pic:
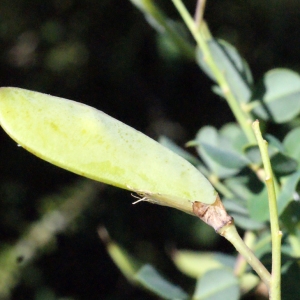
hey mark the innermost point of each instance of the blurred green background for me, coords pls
(103, 53)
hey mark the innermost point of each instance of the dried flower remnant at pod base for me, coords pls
(214, 215)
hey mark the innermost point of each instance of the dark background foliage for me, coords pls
(104, 53)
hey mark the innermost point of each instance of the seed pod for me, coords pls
(90, 143)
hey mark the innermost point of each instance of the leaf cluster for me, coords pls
(232, 162)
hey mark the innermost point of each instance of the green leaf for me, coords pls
(283, 165)
(209, 135)
(233, 133)
(244, 188)
(227, 159)
(196, 263)
(173, 36)
(231, 64)
(291, 218)
(259, 206)
(248, 281)
(274, 143)
(240, 186)
(235, 205)
(217, 284)
(221, 151)
(263, 246)
(277, 96)
(245, 222)
(241, 216)
(253, 154)
(288, 191)
(126, 263)
(90, 143)
(290, 281)
(292, 144)
(153, 281)
(173, 41)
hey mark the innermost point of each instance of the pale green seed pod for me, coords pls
(90, 143)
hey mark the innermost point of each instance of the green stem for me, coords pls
(243, 117)
(230, 233)
(241, 263)
(276, 234)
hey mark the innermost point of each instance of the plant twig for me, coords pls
(199, 12)
(216, 216)
(230, 233)
(275, 231)
(241, 263)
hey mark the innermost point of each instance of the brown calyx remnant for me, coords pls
(215, 215)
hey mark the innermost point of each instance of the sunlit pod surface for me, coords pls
(90, 143)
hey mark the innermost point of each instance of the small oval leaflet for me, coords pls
(88, 142)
